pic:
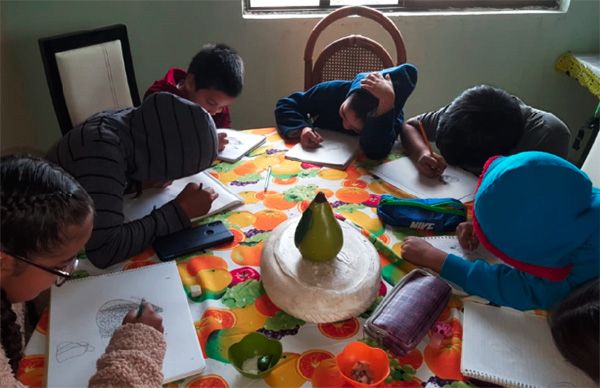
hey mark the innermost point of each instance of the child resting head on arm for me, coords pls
(46, 218)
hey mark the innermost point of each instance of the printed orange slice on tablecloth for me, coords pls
(246, 168)
(269, 219)
(249, 197)
(224, 317)
(208, 381)
(332, 174)
(31, 370)
(310, 360)
(340, 330)
(199, 263)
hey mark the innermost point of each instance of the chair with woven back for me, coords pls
(352, 54)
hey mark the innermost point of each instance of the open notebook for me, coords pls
(240, 143)
(454, 183)
(337, 150)
(85, 312)
(135, 208)
(514, 348)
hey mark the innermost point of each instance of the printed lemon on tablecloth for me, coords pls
(354, 214)
(332, 174)
(248, 253)
(443, 357)
(285, 374)
(242, 218)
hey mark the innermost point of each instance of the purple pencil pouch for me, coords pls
(407, 313)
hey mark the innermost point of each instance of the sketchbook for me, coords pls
(337, 150)
(514, 348)
(402, 173)
(135, 208)
(84, 314)
(240, 143)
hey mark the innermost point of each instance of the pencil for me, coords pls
(267, 180)
(140, 308)
(377, 243)
(424, 135)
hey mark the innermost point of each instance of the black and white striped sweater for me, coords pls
(165, 138)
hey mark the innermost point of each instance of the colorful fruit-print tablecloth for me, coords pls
(233, 302)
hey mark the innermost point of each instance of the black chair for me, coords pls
(88, 72)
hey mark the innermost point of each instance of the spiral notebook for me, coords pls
(514, 348)
(84, 313)
(136, 208)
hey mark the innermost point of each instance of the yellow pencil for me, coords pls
(424, 135)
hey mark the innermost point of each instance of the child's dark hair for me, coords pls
(37, 201)
(363, 103)
(482, 122)
(575, 326)
(218, 67)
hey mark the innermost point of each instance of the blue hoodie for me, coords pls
(322, 102)
(542, 213)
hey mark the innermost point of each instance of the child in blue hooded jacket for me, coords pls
(370, 106)
(540, 215)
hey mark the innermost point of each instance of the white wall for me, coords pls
(513, 51)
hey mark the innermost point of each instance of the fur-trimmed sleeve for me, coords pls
(133, 358)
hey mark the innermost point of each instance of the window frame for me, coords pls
(413, 6)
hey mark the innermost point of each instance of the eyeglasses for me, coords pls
(64, 273)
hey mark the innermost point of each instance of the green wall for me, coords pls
(515, 51)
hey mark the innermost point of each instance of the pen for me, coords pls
(140, 308)
(267, 179)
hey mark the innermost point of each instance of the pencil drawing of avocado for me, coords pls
(110, 315)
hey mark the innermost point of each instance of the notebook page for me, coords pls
(336, 150)
(402, 173)
(135, 208)
(510, 347)
(84, 313)
(240, 143)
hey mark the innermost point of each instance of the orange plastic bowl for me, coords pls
(375, 358)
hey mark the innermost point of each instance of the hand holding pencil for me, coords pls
(428, 162)
(309, 138)
(145, 314)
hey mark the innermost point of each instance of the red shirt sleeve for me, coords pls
(223, 119)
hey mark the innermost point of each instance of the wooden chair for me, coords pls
(88, 72)
(352, 54)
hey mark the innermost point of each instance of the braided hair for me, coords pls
(37, 201)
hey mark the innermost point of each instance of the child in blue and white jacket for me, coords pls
(540, 215)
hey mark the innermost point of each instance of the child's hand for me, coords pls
(421, 253)
(149, 317)
(223, 141)
(431, 165)
(195, 201)
(309, 138)
(466, 236)
(382, 88)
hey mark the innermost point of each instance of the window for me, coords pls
(320, 6)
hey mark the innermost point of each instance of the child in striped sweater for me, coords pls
(116, 152)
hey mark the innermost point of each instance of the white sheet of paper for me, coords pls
(337, 150)
(514, 348)
(135, 208)
(240, 143)
(450, 244)
(402, 173)
(84, 313)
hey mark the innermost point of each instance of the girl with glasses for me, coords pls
(46, 218)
